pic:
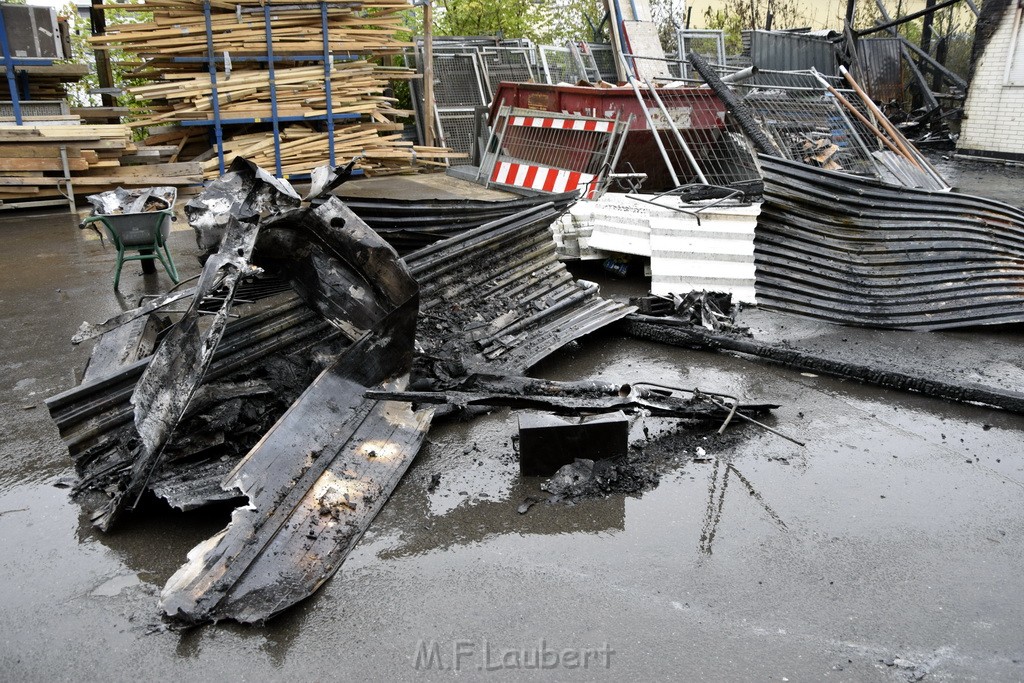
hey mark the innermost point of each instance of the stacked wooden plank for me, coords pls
(179, 28)
(356, 88)
(45, 82)
(378, 154)
(31, 165)
(173, 47)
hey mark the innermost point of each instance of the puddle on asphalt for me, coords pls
(870, 454)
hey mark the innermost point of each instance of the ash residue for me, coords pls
(589, 479)
(643, 468)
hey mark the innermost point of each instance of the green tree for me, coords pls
(123, 64)
(542, 21)
(575, 20)
(670, 18)
(509, 18)
(737, 16)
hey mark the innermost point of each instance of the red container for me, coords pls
(698, 113)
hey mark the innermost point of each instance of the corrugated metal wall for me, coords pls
(881, 68)
(779, 51)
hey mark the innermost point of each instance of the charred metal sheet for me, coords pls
(317, 477)
(684, 334)
(413, 224)
(855, 251)
(123, 346)
(321, 474)
(245, 189)
(498, 299)
(196, 486)
(91, 415)
(179, 364)
(89, 331)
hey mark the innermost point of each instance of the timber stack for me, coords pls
(223, 77)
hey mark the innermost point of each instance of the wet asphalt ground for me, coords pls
(889, 548)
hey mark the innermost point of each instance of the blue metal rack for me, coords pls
(19, 92)
(218, 123)
(10, 64)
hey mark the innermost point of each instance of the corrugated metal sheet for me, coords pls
(90, 417)
(622, 225)
(855, 251)
(881, 68)
(413, 224)
(778, 51)
(498, 299)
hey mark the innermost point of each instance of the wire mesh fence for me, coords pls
(805, 122)
(511, 64)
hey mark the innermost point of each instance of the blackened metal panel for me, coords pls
(497, 299)
(409, 225)
(323, 471)
(781, 51)
(881, 68)
(855, 251)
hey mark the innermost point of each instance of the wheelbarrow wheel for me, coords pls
(148, 265)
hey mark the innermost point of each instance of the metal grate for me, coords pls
(604, 58)
(457, 81)
(805, 122)
(565, 143)
(510, 64)
(560, 65)
(808, 124)
(720, 152)
(707, 43)
(586, 61)
(457, 130)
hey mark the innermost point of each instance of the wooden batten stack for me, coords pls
(267, 99)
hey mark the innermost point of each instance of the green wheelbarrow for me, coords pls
(145, 233)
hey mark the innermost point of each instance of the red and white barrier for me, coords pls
(544, 178)
(594, 125)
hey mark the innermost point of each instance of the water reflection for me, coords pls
(717, 488)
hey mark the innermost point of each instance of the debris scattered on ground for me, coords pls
(586, 478)
(285, 380)
(713, 311)
(682, 333)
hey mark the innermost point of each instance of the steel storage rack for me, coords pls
(17, 85)
(271, 60)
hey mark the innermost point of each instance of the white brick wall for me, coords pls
(994, 112)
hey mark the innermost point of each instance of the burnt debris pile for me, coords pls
(301, 372)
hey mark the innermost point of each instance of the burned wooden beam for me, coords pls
(574, 401)
(890, 23)
(677, 333)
